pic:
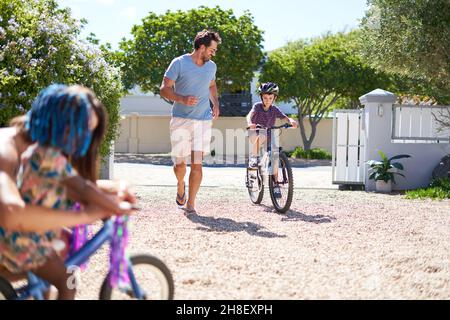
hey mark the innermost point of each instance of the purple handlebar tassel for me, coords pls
(118, 259)
(80, 235)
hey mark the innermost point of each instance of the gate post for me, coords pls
(107, 165)
(133, 140)
(377, 126)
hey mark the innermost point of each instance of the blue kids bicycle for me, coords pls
(149, 277)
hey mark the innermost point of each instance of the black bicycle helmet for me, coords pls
(268, 88)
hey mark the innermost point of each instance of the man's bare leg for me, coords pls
(179, 169)
(195, 177)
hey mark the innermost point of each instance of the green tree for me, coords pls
(411, 38)
(317, 75)
(40, 45)
(161, 38)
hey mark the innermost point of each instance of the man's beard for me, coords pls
(205, 59)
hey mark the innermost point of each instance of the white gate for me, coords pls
(418, 124)
(348, 147)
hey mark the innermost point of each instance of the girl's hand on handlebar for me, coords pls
(124, 193)
(127, 206)
(97, 211)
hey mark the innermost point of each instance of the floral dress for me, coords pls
(40, 179)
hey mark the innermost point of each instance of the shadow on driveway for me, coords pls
(229, 225)
(292, 215)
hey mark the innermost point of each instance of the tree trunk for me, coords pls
(307, 141)
(313, 134)
(307, 145)
(314, 109)
(302, 129)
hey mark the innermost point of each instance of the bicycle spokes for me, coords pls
(281, 185)
(255, 186)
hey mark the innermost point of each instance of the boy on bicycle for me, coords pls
(264, 113)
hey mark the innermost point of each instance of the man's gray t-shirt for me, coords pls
(192, 80)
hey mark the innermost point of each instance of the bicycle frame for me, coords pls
(269, 146)
(36, 286)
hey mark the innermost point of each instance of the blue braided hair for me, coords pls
(60, 118)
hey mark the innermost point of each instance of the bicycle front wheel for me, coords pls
(152, 276)
(285, 181)
(255, 185)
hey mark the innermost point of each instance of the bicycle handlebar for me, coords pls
(285, 126)
(124, 205)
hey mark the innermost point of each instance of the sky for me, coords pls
(281, 20)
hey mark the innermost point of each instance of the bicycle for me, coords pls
(264, 173)
(36, 287)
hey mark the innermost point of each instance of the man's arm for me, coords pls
(167, 91)
(214, 98)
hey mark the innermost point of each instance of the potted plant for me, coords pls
(383, 171)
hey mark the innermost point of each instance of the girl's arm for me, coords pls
(117, 188)
(88, 193)
(17, 216)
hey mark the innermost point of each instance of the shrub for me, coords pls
(316, 153)
(40, 45)
(438, 189)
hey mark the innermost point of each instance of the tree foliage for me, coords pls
(317, 75)
(161, 38)
(411, 37)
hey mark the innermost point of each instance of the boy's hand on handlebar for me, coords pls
(251, 126)
(293, 123)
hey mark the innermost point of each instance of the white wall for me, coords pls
(150, 134)
(378, 126)
(144, 105)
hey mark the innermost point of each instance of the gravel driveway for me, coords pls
(331, 245)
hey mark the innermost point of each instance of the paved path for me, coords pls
(331, 245)
(221, 177)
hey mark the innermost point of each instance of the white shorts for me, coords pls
(188, 135)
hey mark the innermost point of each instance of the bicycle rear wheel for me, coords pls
(152, 276)
(286, 184)
(7, 291)
(256, 192)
